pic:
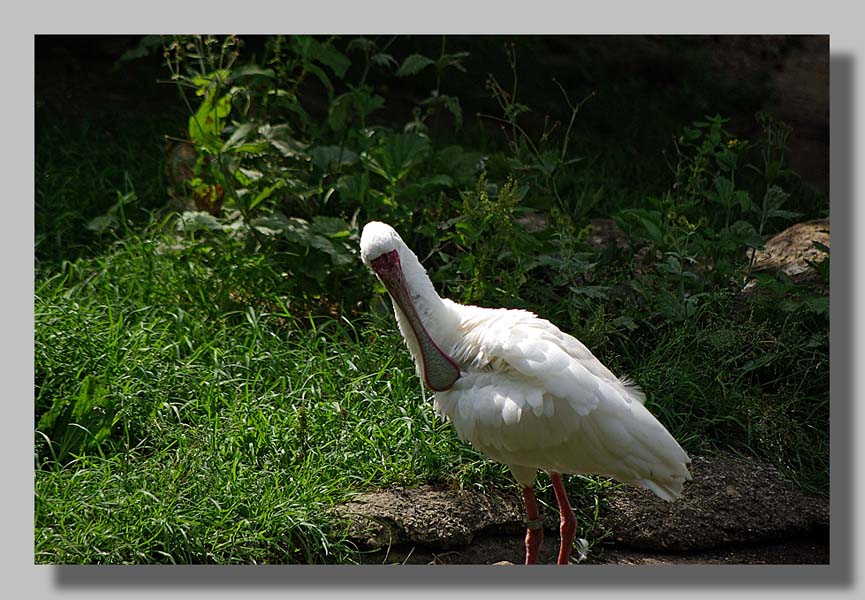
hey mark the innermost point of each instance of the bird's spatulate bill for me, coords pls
(440, 372)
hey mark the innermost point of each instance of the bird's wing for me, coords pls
(543, 400)
(565, 367)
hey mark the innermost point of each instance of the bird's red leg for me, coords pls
(569, 521)
(534, 530)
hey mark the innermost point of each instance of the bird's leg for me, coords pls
(534, 530)
(569, 521)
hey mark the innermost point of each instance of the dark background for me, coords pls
(642, 83)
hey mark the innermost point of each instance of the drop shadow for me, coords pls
(838, 574)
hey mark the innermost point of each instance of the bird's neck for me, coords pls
(435, 315)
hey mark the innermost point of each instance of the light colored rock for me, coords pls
(792, 249)
(793, 252)
(434, 516)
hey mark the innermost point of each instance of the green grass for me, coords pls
(232, 427)
(231, 433)
(84, 166)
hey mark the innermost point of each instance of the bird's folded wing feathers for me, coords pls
(558, 362)
(543, 392)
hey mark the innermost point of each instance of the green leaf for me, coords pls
(818, 305)
(775, 198)
(413, 64)
(320, 74)
(335, 60)
(339, 255)
(311, 50)
(238, 137)
(147, 45)
(207, 80)
(338, 112)
(330, 226)
(452, 60)
(652, 230)
(361, 43)
(439, 180)
(333, 157)
(83, 422)
(205, 126)
(783, 214)
(594, 292)
(759, 362)
(512, 111)
(266, 193)
(364, 101)
(744, 233)
(196, 220)
(452, 103)
(271, 224)
(383, 60)
(280, 137)
(104, 222)
(723, 190)
(252, 71)
(625, 322)
(293, 105)
(111, 218)
(641, 222)
(462, 166)
(397, 154)
(353, 187)
(305, 46)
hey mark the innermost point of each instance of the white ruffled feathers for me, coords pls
(533, 397)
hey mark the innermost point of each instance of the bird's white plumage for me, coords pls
(533, 397)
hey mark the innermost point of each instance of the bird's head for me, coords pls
(378, 240)
(381, 249)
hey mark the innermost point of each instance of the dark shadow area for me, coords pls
(639, 91)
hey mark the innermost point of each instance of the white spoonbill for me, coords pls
(523, 392)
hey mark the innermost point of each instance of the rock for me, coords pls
(791, 251)
(533, 222)
(735, 510)
(730, 501)
(434, 516)
(605, 232)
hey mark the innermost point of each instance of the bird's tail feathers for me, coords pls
(670, 488)
(633, 388)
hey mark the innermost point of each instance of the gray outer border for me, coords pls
(541, 16)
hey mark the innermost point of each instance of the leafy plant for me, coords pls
(436, 102)
(487, 256)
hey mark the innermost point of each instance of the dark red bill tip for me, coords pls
(387, 263)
